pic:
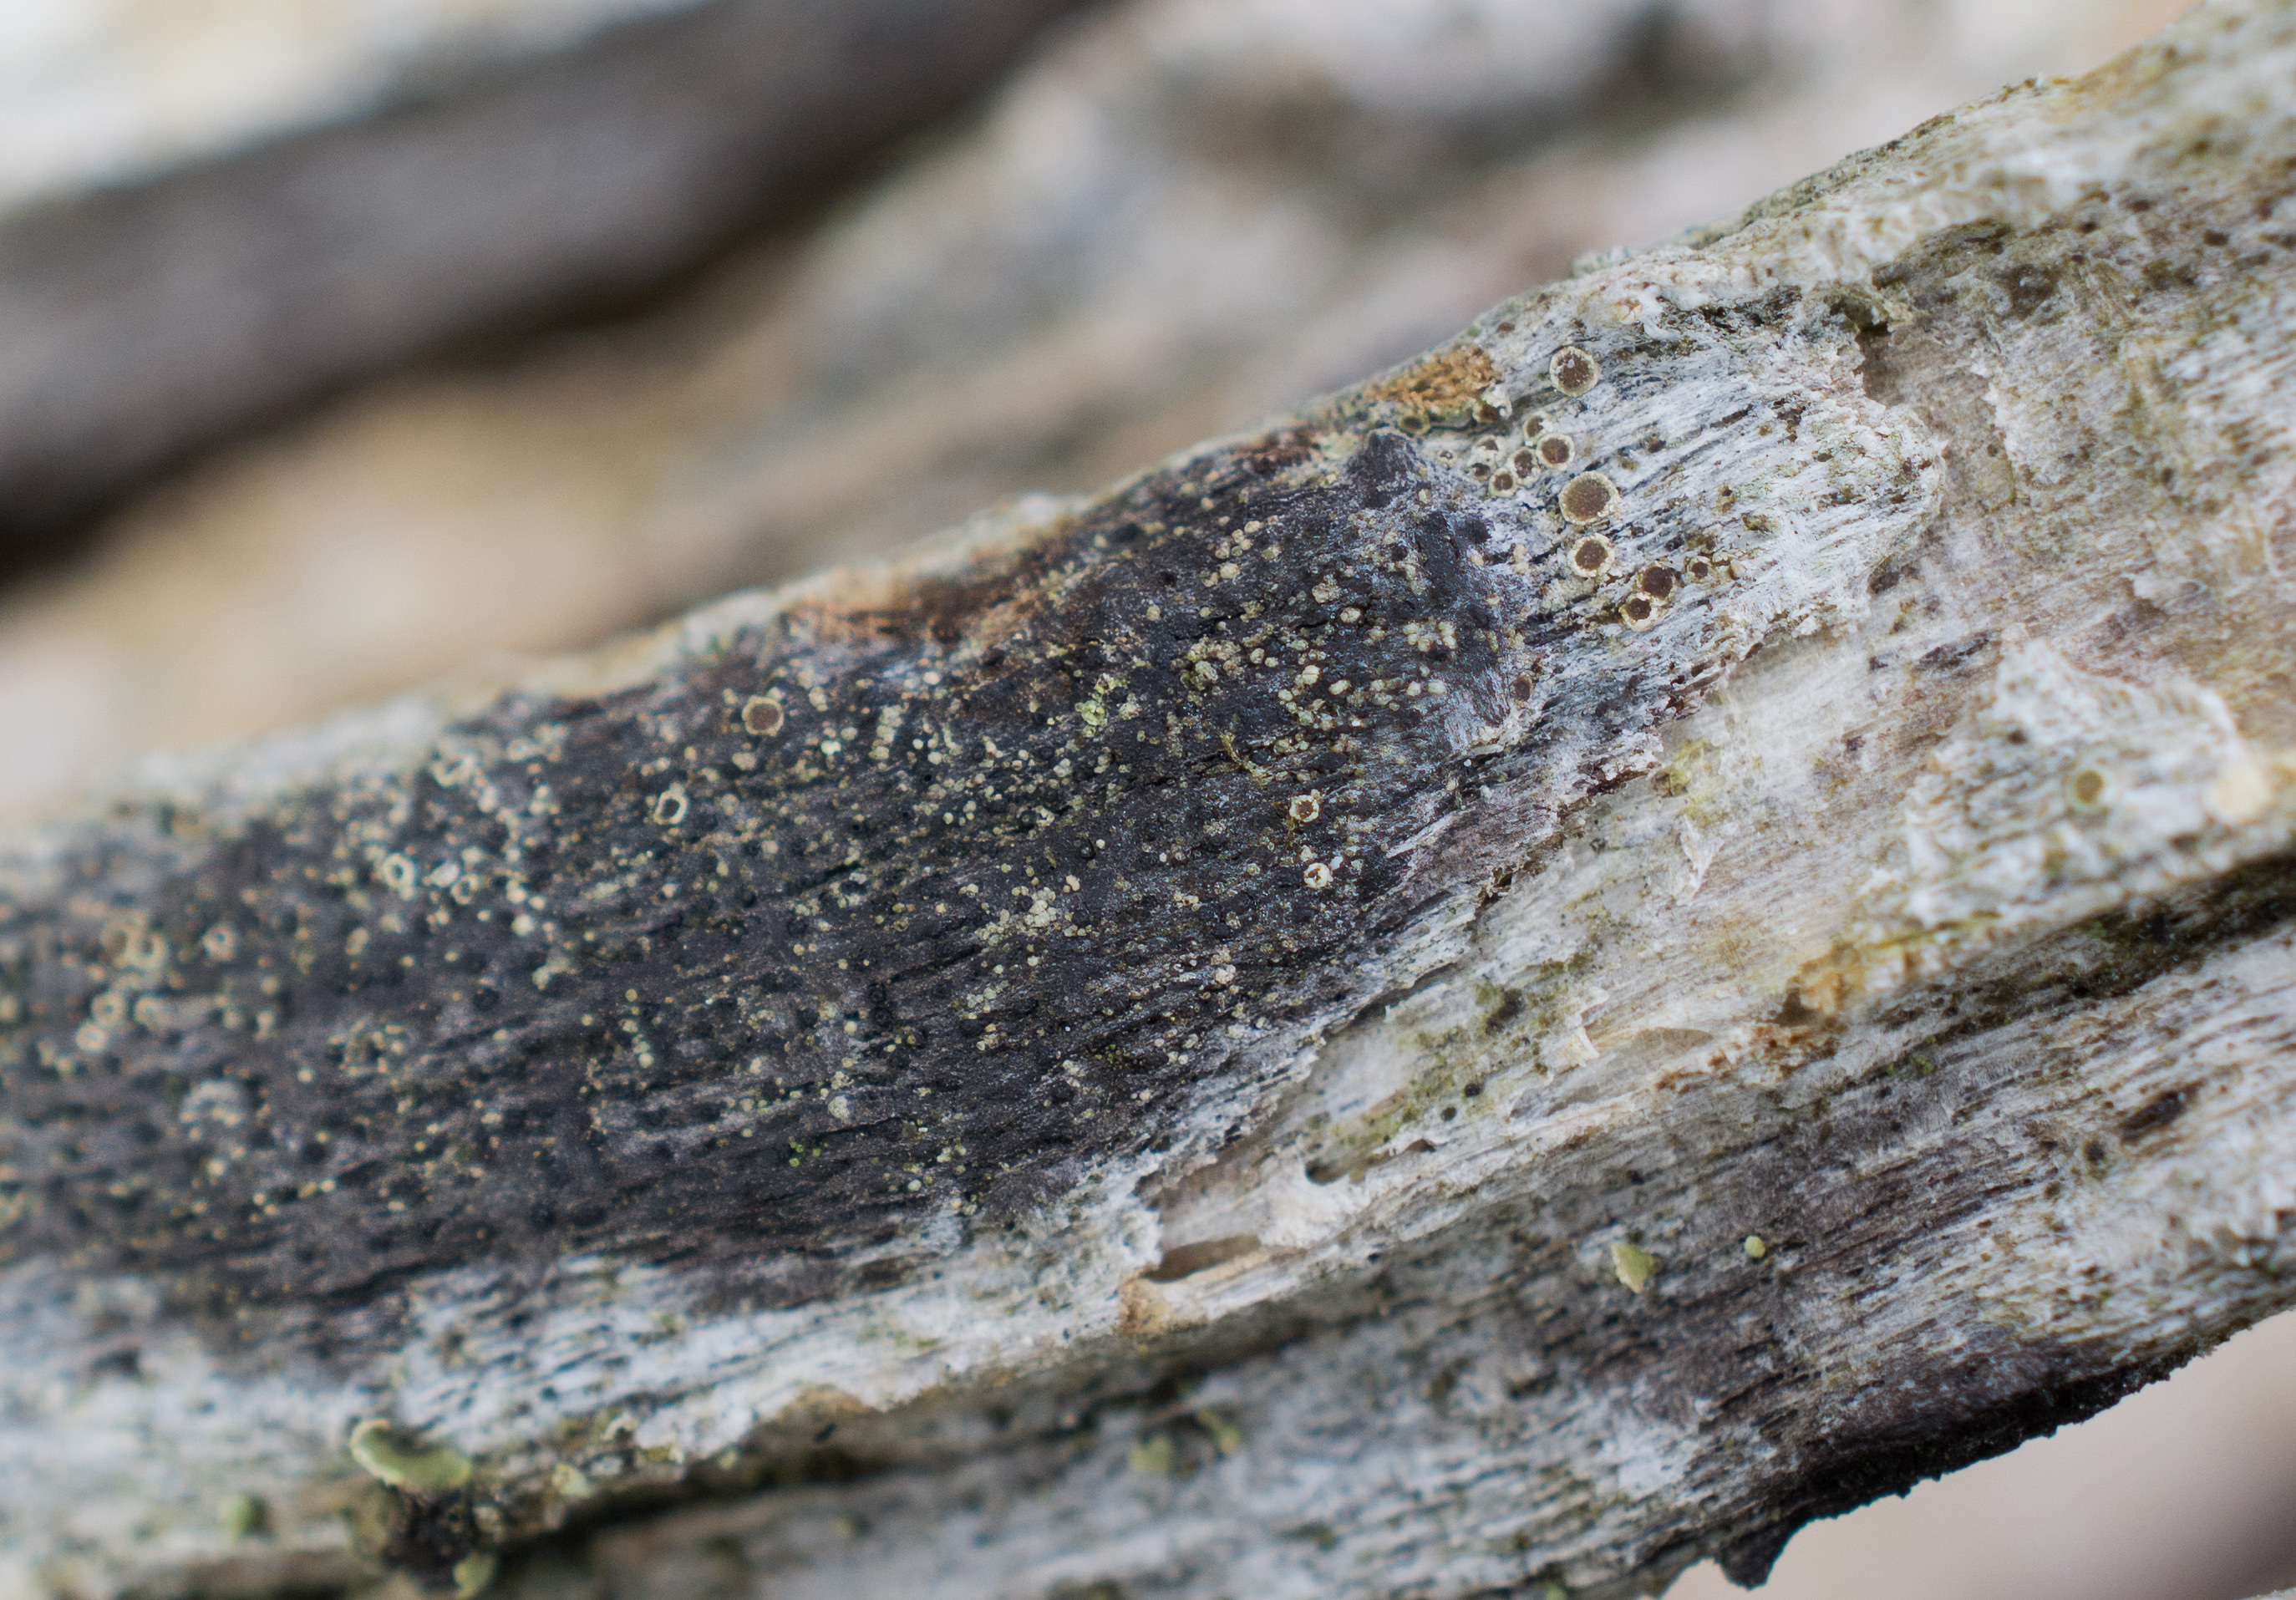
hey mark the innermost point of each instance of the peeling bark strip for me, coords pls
(1323, 1016)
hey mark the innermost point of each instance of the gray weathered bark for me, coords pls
(1654, 925)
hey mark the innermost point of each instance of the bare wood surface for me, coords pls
(1361, 1013)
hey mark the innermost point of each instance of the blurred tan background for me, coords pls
(2185, 1492)
(347, 346)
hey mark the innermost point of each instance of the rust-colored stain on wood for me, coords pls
(1446, 380)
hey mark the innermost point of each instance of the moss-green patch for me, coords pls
(1689, 775)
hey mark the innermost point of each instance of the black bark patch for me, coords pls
(622, 975)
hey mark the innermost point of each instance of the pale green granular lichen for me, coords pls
(473, 1573)
(241, 1515)
(1756, 1247)
(1226, 1438)
(1152, 1456)
(392, 1458)
(1635, 1266)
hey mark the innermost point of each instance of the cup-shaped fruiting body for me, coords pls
(761, 716)
(1588, 497)
(1591, 556)
(2089, 789)
(1574, 370)
(1654, 586)
(1547, 453)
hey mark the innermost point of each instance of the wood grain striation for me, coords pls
(1643, 929)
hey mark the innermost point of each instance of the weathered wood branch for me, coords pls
(1657, 924)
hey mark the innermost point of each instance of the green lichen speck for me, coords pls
(473, 1573)
(392, 1457)
(1635, 1266)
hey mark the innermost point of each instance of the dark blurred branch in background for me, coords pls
(142, 321)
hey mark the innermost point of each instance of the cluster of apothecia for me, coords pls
(1533, 462)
